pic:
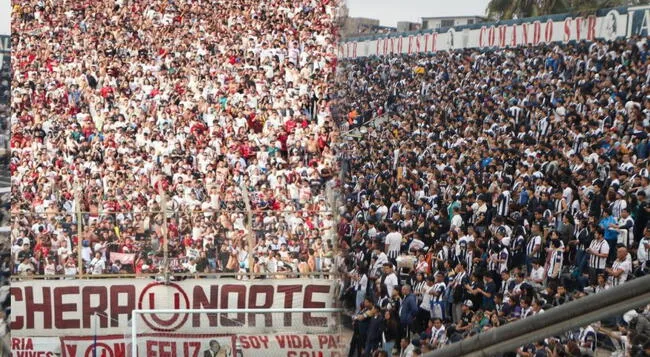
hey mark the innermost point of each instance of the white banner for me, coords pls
(149, 345)
(292, 345)
(73, 307)
(35, 346)
(195, 345)
(494, 35)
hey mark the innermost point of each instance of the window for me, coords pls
(470, 21)
(447, 23)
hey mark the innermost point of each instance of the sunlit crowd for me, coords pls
(140, 125)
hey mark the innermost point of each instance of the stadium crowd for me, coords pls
(156, 119)
(5, 202)
(487, 186)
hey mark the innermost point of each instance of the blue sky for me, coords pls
(389, 12)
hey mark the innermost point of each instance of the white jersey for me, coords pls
(600, 247)
(644, 250)
(624, 265)
(426, 297)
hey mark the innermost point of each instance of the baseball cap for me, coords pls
(469, 303)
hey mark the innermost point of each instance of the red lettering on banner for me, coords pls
(481, 33)
(579, 21)
(305, 354)
(434, 39)
(203, 302)
(567, 29)
(591, 28)
(18, 322)
(426, 42)
(537, 32)
(417, 43)
(548, 31)
(254, 342)
(288, 291)
(22, 344)
(502, 35)
(525, 33)
(513, 38)
(161, 349)
(240, 290)
(491, 36)
(100, 349)
(385, 46)
(256, 290)
(294, 342)
(410, 46)
(328, 341)
(101, 307)
(309, 303)
(32, 354)
(50, 309)
(59, 321)
(71, 350)
(377, 46)
(400, 45)
(120, 349)
(354, 50)
(191, 348)
(116, 308)
(45, 307)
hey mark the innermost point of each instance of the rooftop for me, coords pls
(452, 17)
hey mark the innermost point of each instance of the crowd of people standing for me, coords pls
(159, 121)
(487, 186)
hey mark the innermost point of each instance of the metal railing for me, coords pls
(556, 321)
(143, 226)
(216, 275)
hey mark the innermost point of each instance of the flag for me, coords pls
(124, 258)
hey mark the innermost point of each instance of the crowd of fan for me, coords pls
(156, 119)
(5, 202)
(497, 185)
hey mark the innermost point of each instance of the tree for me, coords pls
(509, 9)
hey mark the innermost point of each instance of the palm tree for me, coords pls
(508, 9)
(584, 6)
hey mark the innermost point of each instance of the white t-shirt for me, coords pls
(390, 282)
(97, 266)
(457, 221)
(537, 274)
(643, 252)
(426, 297)
(70, 270)
(394, 241)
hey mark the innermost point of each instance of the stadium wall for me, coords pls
(606, 24)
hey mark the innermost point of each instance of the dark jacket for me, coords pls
(375, 330)
(409, 309)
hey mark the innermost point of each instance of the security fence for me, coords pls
(241, 238)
